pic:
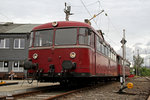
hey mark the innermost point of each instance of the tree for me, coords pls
(138, 61)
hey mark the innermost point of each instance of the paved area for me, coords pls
(22, 86)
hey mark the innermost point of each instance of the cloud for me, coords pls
(138, 47)
(121, 15)
(137, 44)
(129, 53)
(148, 44)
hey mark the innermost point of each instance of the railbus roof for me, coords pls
(62, 24)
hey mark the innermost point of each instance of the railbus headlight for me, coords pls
(35, 56)
(72, 55)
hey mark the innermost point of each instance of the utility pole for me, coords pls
(123, 42)
(145, 58)
(137, 65)
(67, 11)
(149, 62)
(122, 79)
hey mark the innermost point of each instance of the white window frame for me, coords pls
(18, 68)
(2, 68)
(19, 44)
(4, 45)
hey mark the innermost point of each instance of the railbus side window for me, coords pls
(103, 49)
(108, 52)
(111, 55)
(115, 57)
(84, 37)
(98, 44)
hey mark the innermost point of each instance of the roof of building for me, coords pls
(10, 27)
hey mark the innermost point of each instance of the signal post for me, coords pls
(122, 78)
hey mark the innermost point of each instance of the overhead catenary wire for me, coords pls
(114, 26)
(90, 4)
(109, 20)
(96, 22)
(89, 13)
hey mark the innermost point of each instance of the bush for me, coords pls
(144, 71)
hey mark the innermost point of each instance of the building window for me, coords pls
(19, 43)
(17, 66)
(4, 66)
(4, 43)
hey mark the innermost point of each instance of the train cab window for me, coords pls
(92, 39)
(66, 36)
(43, 38)
(31, 39)
(84, 36)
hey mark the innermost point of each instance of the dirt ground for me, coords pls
(140, 91)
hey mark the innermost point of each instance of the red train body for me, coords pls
(72, 51)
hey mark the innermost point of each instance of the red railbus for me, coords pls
(70, 51)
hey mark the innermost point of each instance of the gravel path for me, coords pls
(140, 91)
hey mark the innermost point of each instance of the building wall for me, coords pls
(12, 55)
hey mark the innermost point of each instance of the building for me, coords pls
(14, 41)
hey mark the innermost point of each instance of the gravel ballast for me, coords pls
(140, 91)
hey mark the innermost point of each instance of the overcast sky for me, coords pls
(131, 15)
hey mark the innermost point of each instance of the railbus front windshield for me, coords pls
(66, 36)
(63, 36)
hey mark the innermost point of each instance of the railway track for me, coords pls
(50, 93)
(13, 95)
